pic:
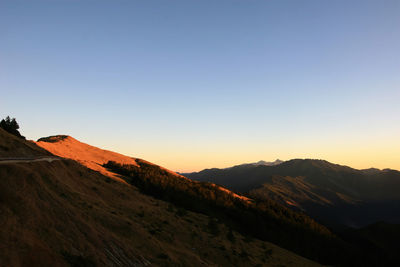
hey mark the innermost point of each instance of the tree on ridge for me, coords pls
(11, 126)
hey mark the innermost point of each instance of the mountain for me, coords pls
(91, 207)
(87, 155)
(272, 163)
(62, 213)
(331, 193)
(239, 211)
(262, 162)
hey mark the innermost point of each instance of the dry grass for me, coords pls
(12, 146)
(62, 213)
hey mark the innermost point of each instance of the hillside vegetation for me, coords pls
(11, 126)
(331, 193)
(266, 220)
(64, 214)
(13, 146)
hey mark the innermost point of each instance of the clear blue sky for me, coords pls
(195, 84)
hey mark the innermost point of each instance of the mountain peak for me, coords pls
(266, 163)
(92, 157)
(258, 163)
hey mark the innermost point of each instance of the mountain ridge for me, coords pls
(260, 163)
(62, 213)
(312, 186)
(94, 158)
(88, 218)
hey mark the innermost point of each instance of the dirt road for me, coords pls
(24, 160)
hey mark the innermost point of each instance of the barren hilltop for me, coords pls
(63, 213)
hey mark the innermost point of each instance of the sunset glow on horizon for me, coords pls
(191, 85)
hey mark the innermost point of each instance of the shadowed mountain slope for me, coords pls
(13, 146)
(209, 199)
(64, 214)
(333, 193)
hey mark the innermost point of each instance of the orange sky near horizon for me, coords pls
(381, 153)
(208, 84)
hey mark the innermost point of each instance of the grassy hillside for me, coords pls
(266, 220)
(13, 146)
(64, 214)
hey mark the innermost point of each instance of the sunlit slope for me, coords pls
(94, 158)
(64, 214)
(89, 156)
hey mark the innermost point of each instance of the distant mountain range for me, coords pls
(93, 207)
(334, 194)
(262, 163)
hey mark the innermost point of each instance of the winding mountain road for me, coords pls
(25, 160)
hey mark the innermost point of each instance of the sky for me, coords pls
(198, 84)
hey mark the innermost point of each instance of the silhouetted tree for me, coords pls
(11, 126)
